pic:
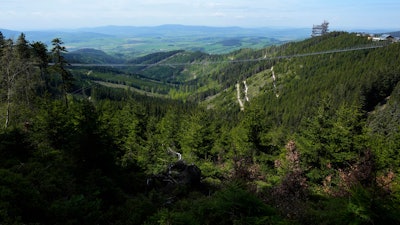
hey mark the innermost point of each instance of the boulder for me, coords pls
(178, 173)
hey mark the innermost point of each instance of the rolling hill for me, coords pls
(131, 42)
(91, 56)
(199, 76)
(304, 132)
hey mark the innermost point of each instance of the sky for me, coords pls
(26, 15)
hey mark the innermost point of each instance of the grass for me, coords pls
(126, 87)
(136, 47)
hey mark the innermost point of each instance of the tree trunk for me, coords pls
(8, 109)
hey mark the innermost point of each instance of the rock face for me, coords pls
(183, 173)
(177, 174)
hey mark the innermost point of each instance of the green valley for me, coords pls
(287, 132)
(131, 42)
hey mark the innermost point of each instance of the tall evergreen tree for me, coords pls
(41, 57)
(330, 141)
(23, 47)
(27, 82)
(2, 43)
(60, 65)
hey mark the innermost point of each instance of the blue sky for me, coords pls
(342, 14)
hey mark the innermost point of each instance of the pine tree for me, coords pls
(2, 43)
(28, 81)
(41, 57)
(23, 48)
(331, 141)
(60, 65)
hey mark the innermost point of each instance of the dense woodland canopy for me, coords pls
(75, 149)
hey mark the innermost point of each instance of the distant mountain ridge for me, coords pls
(182, 30)
(170, 30)
(132, 42)
(163, 30)
(136, 41)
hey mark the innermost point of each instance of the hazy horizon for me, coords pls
(27, 15)
(272, 28)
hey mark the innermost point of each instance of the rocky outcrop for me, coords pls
(177, 174)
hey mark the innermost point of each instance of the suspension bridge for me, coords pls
(265, 58)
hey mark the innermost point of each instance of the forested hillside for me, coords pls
(166, 141)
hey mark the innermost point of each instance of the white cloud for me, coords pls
(219, 14)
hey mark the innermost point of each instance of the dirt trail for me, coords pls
(246, 97)
(238, 97)
(246, 90)
(274, 82)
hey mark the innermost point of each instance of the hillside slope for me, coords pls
(293, 134)
(364, 77)
(285, 81)
(350, 76)
(91, 56)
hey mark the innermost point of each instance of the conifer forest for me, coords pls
(304, 132)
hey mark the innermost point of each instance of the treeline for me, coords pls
(362, 78)
(26, 75)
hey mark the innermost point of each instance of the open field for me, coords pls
(132, 42)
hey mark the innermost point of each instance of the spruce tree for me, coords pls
(60, 66)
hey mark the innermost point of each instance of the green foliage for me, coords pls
(196, 135)
(363, 206)
(17, 199)
(91, 56)
(384, 125)
(59, 66)
(77, 209)
(88, 162)
(331, 141)
(232, 205)
(19, 81)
